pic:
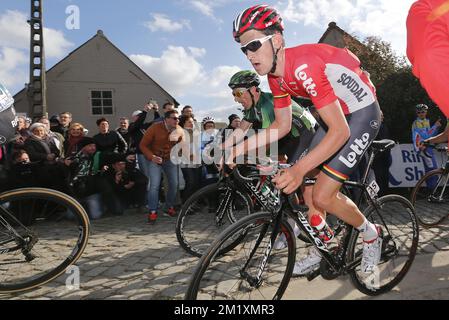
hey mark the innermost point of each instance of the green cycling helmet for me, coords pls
(244, 79)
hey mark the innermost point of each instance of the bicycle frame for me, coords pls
(336, 259)
(434, 197)
(247, 183)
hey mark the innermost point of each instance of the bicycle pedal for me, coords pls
(29, 257)
(312, 275)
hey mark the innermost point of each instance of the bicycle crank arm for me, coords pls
(312, 275)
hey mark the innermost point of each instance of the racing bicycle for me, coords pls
(252, 269)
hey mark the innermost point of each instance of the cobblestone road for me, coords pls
(128, 259)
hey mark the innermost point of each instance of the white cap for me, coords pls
(36, 125)
(136, 113)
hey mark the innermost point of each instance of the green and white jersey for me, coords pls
(262, 115)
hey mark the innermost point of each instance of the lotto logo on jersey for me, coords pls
(307, 82)
(358, 147)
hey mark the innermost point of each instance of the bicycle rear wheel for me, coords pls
(197, 227)
(42, 232)
(400, 233)
(226, 277)
(431, 198)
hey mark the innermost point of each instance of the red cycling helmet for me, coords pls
(259, 17)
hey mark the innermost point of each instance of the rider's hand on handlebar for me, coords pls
(288, 180)
(423, 145)
(231, 163)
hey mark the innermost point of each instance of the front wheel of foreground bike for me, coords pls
(42, 232)
(400, 233)
(246, 272)
(430, 197)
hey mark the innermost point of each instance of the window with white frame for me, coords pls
(101, 102)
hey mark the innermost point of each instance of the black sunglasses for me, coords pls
(255, 44)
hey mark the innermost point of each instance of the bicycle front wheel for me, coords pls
(252, 269)
(400, 234)
(42, 232)
(198, 223)
(431, 198)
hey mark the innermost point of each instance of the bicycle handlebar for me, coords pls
(271, 167)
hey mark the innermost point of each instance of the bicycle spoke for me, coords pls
(235, 274)
(431, 198)
(400, 239)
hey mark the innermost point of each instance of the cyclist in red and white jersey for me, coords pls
(346, 102)
(428, 48)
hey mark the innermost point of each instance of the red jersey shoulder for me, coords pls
(275, 84)
(281, 98)
(308, 69)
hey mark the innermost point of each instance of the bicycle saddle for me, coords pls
(382, 145)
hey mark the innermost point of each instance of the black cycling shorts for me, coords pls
(364, 125)
(296, 147)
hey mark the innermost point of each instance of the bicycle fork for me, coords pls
(222, 207)
(256, 282)
(439, 197)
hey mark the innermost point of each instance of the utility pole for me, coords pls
(37, 87)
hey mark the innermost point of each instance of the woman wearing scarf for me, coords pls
(72, 145)
(43, 151)
(58, 139)
(38, 147)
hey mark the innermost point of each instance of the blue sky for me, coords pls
(185, 45)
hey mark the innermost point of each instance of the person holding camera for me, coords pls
(166, 107)
(128, 184)
(137, 129)
(22, 173)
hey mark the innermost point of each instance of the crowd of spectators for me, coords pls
(114, 168)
